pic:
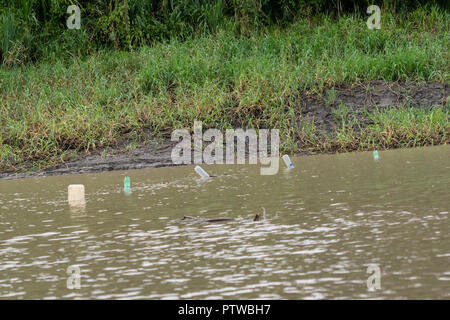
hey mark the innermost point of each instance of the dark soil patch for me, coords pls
(368, 96)
(360, 98)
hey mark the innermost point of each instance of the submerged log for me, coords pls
(196, 219)
(258, 217)
(261, 216)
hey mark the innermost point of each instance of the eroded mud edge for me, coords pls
(358, 97)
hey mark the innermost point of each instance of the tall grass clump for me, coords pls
(12, 49)
(390, 128)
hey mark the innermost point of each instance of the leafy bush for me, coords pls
(31, 29)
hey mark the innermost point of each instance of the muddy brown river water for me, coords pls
(328, 220)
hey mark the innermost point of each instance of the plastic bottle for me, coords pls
(202, 173)
(126, 184)
(375, 155)
(287, 161)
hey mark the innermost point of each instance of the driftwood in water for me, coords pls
(207, 220)
(262, 216)
(258, 217)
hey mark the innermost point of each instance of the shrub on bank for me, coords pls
(35, 29)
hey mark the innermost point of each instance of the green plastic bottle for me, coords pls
(375, 155)
(126, 184)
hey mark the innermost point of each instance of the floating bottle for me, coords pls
(375, 155)
(75, 195)
(126, 185)
(202, 173)
(287, 161)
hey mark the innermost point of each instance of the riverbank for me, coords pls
(398, 115)
(328, 85)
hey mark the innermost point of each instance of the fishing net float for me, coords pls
(75, 195)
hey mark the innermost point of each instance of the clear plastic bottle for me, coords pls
(287, 161)
(202, 173)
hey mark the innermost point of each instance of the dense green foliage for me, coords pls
(35, 29)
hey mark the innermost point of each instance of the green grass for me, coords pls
(58, 106)
(391, 128)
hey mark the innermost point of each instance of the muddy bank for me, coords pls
(368, 96)
(146, 155)
(359, 98)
